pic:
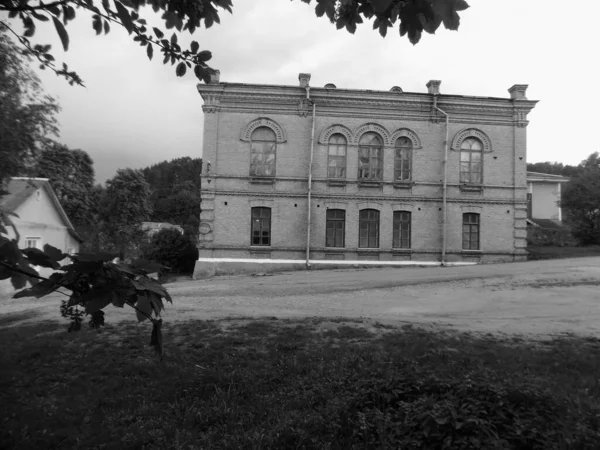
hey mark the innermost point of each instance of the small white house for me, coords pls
(41, 219)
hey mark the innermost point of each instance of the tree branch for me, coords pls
(33, 8)
(39, 277)
(150, 318)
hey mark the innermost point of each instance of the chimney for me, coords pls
(517, 92)
(215, 76)
(433, 86)
(304, 79)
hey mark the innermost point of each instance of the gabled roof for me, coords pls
(21, 188)
(546, 177)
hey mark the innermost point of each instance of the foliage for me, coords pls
(172, 249)
(93, 280)
(413, 17)
(581, 201)
(125, 204)
(71, 175)
(27, 115)
(175, 196)
(279, 384)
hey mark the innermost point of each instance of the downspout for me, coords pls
(445, 182)
(310, 164)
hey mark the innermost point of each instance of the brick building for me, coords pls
(296, 174)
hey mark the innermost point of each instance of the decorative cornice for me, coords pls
(264, 122)
(370, 198)
(472, 132)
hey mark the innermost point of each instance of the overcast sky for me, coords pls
(134, 112)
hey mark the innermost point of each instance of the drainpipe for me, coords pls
(445, 182)
(310, 164)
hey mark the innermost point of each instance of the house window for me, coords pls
(263, 144)
(370, 157)
(471, 152)
(470, 231)
(402, 159)
(33, 242)
(401, 229)
(336, 164)
(261, 226)
(368, 228)
(335, 228)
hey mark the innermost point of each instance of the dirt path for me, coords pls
(537, 297)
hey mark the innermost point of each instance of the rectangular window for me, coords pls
(262, 163)
(33, 242)
(470, 167)
(335, 228)
(336, 163)
(401, 229)
(402, 164)
(261, 226)
(370, 163)
(470, 231)
(368, 228)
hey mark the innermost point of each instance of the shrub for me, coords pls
(171, 249)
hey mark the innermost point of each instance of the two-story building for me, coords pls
(319, 175)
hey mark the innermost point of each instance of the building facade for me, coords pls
(301, 173)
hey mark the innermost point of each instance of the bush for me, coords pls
(171, 249)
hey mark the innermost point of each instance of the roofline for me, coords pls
(547, 177)
(319, 89)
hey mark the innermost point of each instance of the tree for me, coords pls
(27, 115)
(175, 194)
(124, 206)
(413, 17)
(171, 249)
(581, 201)
(554, 168)
(71, 174)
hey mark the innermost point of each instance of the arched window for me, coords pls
(470, 231)
(336, 163)
(263, 143)
(403, 159)
(370, 157)
(335, 227)
(471, 155)
(368, 228)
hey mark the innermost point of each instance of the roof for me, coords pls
(547, 223)
(21, 188)
(546, 177)
(159, 226)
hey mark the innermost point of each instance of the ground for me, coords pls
(537, 297)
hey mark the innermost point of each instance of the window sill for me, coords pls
(334, 182)
(471, 187)
(403, 184)
(471, 252)
(369, 184)
(402, 251)
(369, 250)
(258, 180)
(334, 249)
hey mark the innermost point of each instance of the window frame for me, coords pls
(262, 220)
(471, 226)
(370, 148)
(264, 143)
(470, 152)
(398, 220)
(37, 239)
(333, 223)
(370, 222)
(330, 157)
(401, 161)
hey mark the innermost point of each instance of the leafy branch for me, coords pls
(93, 279)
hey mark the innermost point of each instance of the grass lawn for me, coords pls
(279, 384)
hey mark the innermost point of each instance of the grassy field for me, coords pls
(279, 384)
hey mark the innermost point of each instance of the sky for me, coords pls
(134, 112)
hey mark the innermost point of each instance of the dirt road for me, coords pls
(536, 297)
